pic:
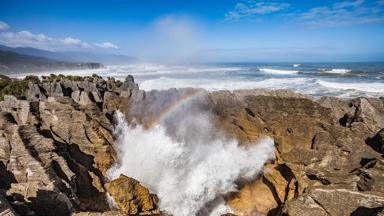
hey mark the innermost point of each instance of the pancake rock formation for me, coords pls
(57, 144)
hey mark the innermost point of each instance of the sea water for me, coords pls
(343, 80)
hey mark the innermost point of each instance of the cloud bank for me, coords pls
(42, 41)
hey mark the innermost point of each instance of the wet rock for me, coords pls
(249, 202)
(131, 197)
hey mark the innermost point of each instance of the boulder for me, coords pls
(254, 198)
(131, 197)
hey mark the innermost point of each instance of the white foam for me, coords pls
(276, 71)
(337, 71)
(364, 87)
(296, 65)
(164, 83)
(189, 173)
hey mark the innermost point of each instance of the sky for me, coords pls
(197, 30)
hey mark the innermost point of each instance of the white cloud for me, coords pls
(71, 41)
(3, 25)
(345, 13)
(106, 45)
(345, 4)
(41, 41)
(252, 8)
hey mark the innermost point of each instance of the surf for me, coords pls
(365, 87)
(277, 71)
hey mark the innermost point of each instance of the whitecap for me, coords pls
(164, 83)
(277, 71)
(337, 71)
(364, 87)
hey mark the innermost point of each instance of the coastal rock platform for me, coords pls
(57, 144)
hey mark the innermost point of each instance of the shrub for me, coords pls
(16, 87)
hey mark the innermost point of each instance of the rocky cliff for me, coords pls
(57, 143)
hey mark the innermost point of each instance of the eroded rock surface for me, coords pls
(57, 145)
(55, 148)
(317, 147)
(131, 197)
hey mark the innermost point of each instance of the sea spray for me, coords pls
(185, 175)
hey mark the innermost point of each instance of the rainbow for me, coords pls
(168, 110)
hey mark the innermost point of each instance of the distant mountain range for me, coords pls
(11, 62)
(28, 59)
(103, 58)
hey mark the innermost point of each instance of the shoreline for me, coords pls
(323, 148)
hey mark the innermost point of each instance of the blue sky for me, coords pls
(176, 30)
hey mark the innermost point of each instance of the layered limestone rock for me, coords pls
(55, 148)
(57, 145)
(324, 143)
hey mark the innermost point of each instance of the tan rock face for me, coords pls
(254, 198)
(315, 147)
(56, 147)
(131, 197)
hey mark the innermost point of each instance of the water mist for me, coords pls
(187, 167)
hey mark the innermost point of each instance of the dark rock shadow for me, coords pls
(363, 211)
(6, 177)
(377, 142)
(48, 203)
(19, 205)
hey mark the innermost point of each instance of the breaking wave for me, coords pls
(276, 71)
(187, 169)
(366, 87)
(337, 71)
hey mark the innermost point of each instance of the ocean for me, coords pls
(344, 80)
